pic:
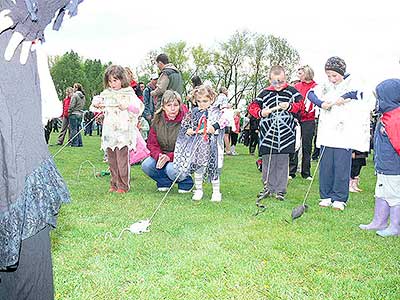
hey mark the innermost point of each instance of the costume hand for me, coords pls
(210, 129)
(5, 20)
(326, 105)
(283, 105)
(265, 112)
(16, 39)
(190, 131)
(162, 160)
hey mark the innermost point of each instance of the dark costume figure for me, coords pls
(31, 188)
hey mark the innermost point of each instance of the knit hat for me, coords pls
(336, 64)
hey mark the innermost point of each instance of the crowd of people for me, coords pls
(282, 122)
(179, 144)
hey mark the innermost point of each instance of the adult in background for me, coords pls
(31, 188)
(196, 81)
(88, 119)
(65, 119)
(170, 78)
(148, 99)
(161, 143)
(222, 102)
(254, 130)
(75, 112)
(307, 124)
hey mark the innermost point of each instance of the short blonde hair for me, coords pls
(168, 97)
(276, 70)
(204, 91)
(308, 72)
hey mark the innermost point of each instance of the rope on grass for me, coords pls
(90, 163)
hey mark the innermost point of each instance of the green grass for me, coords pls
(215, 251)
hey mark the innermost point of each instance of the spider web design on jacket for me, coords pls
(277, 132)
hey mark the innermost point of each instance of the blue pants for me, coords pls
(75, 126)
(334, 173)
(165, 176)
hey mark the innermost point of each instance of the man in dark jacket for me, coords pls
(170, 78)
(148, 100)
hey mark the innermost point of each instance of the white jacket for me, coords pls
(346, 126)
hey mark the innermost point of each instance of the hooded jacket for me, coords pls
(386, 138)
(77, 103)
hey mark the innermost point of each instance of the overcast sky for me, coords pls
(364, 33)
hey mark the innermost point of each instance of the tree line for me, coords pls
(241, 63)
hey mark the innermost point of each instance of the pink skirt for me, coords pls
(141, 151)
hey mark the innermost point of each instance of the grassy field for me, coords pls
(215, 250)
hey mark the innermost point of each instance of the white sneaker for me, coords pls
(184, 191)
(162, 189)
(308, 178)
(216, 197)
(338, 205)
(198, 195)
(325, 202)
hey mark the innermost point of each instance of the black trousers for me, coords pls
(307, 134)
(316, 151)
(32, 278)
(234, 138)
(246, 137)
(253, 141)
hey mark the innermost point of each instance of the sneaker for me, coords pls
(308, 178)
(280, 196)
(184, 191)
(325, 202)
(121, 191)
(216, 197)
(163, 189)
(338, 205)
(265, 193)
(290, 177)
(198, 195)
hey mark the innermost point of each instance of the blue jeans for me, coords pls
(75, 126)
(334, 173)
(165, 176)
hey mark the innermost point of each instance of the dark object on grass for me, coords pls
(298, 211)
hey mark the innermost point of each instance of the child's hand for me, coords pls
(210, 129)
(326, 105)
(190, 131)
(265, 112)
(162, 160)
(341, 101)
(283, 105)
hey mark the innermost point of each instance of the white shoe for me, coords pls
(162, 189)
(338, 205)
(216, 197)
(325, 202)
(184, 191)
(198, 195)
(308, 178)
(290, 177)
